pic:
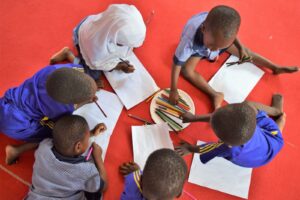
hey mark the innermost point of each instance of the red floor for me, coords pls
(32, 30)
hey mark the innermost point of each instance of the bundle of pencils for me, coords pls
(180, 104)
(171, 123)
(166, 104)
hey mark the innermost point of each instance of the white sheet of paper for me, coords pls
(112, 107)
(148, 138)
(236, 81)
(132, 88)
(222, 175)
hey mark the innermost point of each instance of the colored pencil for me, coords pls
(169, 124)
(124, 61)
(168, 112)
(151, 97)
(100, 109)
(181, 105)
(139, 118)
(176, 106)
(162, 103)
(89, 153)
(169, 119)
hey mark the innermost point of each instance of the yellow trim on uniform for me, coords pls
(274, 132)
(136, 176)
(46, 122)
(210, 148)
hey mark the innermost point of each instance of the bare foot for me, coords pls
(281, 121)
(281, 70)
(277, 102)
(217, 99)
(12, 154)
(65, 54)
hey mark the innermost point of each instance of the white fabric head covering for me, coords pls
(99, 35)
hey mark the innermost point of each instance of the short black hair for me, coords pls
(234, 124)
(164, 174)
(225, 19)
(68, 130)
(70, 86)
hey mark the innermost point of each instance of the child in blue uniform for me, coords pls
(162, 178)
(248, 136)
(206, 35)
(61, 171)
(50, 93)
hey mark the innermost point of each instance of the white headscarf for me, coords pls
(99, 35)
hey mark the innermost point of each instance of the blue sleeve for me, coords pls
(266, 123)
(132, 188)
(209, 151)
(183, 51)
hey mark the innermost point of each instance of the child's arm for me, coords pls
(97, 155)
(242, 51)
(189, 117)
(271, 111)
(186, 149)
(174, 96)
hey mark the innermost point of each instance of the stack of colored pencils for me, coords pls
(165, 110)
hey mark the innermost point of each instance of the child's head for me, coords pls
(163, 175)
(234, 124)
(220, 27)
(70, 86)
(71, 135)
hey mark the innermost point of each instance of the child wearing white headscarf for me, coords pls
(105, 40)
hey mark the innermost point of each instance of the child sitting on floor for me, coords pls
(61, 171)
(248, 136)
(206, 35)
(104, 41)
(162, 178)
(26, 110)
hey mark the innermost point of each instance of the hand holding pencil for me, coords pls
(99, 128)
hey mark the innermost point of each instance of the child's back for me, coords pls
(55, 176)
(60, 170)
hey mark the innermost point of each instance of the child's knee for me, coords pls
(186, 72)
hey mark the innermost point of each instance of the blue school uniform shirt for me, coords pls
(23, 107)
(132, 188)
(191, 44)
(264, 145)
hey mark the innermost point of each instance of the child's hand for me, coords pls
(99, 128)
(185, 149)
(173, 97)
(187, 117)
(125, 67)
(97, 151)
(127, 168)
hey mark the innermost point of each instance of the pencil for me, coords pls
(176, 106)
(124, 62)
(181, 105)
(139, 118)
(168, 112)
(169, 119)
(89, 153)
(167, 123)
(162, 103)
(151, 97)
(100, 109)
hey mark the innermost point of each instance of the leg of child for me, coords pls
(65, 54)
(277, 102)
(274, 110)
(13, 152)
(189, 73)
(261, 61)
